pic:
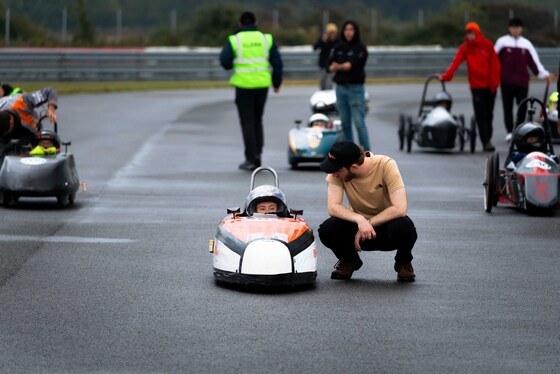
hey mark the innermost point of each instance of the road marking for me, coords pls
(61, 239)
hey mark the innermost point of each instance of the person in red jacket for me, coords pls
(483, 70)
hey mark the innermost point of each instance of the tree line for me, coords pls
(291, 24)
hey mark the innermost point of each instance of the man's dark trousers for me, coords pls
(399, 234)
(250, 106)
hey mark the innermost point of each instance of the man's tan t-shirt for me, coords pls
(370, 195)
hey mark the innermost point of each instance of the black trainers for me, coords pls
(489, 147)
(248, 165)
(405, 273)
(344, 269)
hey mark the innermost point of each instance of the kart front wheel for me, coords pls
(491, 182)
(409, 134)
(6, 199)
(62, 200)
(402, 129)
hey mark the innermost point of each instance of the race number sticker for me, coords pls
(33, 160)
(538, 164)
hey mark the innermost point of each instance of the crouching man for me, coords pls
(376, 219)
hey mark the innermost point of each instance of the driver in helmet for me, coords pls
(442, 102)
(319, 120)
(266, 199)
(443, 99)
(527, 138)
(48, 143)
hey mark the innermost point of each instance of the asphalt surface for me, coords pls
(122, 281)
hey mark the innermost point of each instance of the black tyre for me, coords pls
(409, 134)
(491, 182)
(472, 134)
(6, 199)
(462, 132)
(497, 187)
(62, 200)
(402, 130)
(71, 198)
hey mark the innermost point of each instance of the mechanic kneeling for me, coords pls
(377, 219)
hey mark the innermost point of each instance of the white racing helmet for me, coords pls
(318, 119)
(267, 193)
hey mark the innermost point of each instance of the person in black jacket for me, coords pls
(325, 44)
(348, 61)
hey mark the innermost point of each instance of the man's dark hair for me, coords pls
(515, 22)
(247, 18)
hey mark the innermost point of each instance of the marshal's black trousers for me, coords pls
(398, 234)
(250, 107)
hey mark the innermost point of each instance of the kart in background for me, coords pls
(435, 127)
(312, 143)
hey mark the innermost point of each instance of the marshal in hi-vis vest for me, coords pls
(251, 50)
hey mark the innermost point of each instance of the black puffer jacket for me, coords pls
(352, 51)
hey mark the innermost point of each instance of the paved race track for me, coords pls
(122, 281)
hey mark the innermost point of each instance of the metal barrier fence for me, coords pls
(203, 64)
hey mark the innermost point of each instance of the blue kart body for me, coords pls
(311, 144)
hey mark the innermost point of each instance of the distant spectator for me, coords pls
(348, 61)
(325, 44)
(483, 70)
(516, 54)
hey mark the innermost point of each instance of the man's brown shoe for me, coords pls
(344, 269)
(405, 273)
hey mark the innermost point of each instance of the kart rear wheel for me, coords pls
(402, 129)
(472, 134)
(462, 132)
(409, 134)
(491, 182)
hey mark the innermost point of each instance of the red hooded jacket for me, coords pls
(483, 65)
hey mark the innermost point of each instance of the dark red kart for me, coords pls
(530, 178)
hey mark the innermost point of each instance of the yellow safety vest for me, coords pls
(251, 50)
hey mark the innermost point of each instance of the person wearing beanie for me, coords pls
(23, 106)
(250, 54)
(348, 60)
(325, 45)
(516, 54)
(483, 70)
(376, 219)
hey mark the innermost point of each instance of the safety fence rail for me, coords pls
(172, 64)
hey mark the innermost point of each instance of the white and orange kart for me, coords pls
(273, 249)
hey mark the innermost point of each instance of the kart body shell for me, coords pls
(24, 175)
(528, 181)
(33, 176)
(264, 249)
(311, 144)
